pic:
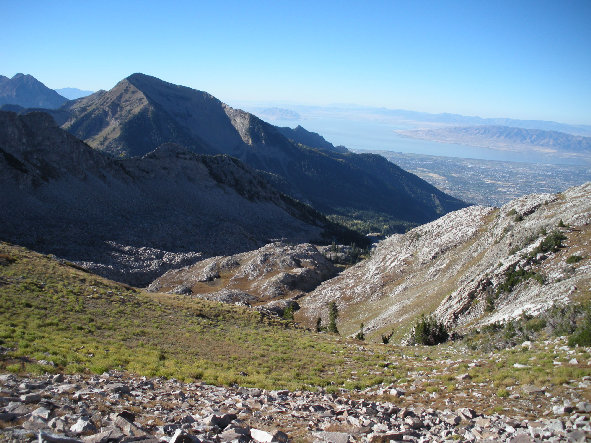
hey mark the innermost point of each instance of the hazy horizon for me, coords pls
(523, 60)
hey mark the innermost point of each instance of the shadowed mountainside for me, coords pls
(142, 112)
(133, 219)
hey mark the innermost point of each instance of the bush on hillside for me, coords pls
(429, 331)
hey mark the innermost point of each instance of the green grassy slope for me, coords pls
(54, 312)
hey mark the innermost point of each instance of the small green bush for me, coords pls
(574, 259)
(386, 338)
(552, 243)
(582, 334)
(360, 335)
(333, 314)
(429, 331)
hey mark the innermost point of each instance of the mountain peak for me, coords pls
(26, 91)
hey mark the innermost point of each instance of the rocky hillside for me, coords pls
(276, 271)
(28, 92)
(471, 267)
(84, 359)
(142, 112)
(134, 219)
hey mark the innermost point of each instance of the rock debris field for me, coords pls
(117, 407)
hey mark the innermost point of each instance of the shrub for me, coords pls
(386, 338)
(288, 313)
(429, 331)
(333, 314)
(582, 334)
(574, 259)
(360, 335)
(552, 243)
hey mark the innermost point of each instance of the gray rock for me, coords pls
(181, 436)
(127, 427)
(41, 412)
(5, 378)
(576, 437)
(279, 436)
(57, 424)
(46, 437)
(261, 436)
(82, 426)
(7, 416)
(386, 437)
(333, 437)
(118, 388)
(232, 434)
(30, 398)
(221, 421)
(467, 413)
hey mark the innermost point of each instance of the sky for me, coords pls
(517, 59)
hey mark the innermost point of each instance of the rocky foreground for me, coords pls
(115, 407)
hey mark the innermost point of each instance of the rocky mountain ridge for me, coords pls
(276, 274)
(28, 92)
(471, 267)
(142, 112)
(133, 219)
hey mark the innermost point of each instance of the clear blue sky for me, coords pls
(520, 59)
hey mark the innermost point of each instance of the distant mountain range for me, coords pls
(142, 112)
(73, 93)
(28, 92)
(133, 219)
(509, 139)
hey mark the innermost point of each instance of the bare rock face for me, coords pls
(275, 271)
(473, 266)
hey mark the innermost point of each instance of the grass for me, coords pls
(85, 324)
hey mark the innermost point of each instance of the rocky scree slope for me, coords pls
(114, 407)
(471, 267)
(276, 274)
(28, 92)
(132, 220)
(142, 112)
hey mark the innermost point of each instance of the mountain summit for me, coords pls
(26, 91)
(142, 112)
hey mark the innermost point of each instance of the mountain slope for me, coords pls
(28, 92)
(275, 271)
(471, 267)
(133, 219)
(312, 139)
(142, 112)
